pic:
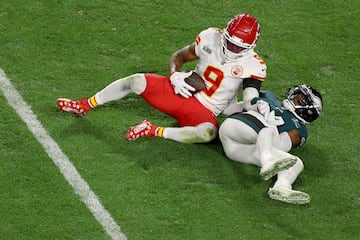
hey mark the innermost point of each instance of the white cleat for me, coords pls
(288, 195)
(276, 166)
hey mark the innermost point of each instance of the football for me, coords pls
(196, 81)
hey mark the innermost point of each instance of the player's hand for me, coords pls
(263, 108)
(273, 120)
(180, 86)
(270, 118)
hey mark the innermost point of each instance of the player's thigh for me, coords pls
(160, 94)
(237, 131)
(187, 111)
(193, 113)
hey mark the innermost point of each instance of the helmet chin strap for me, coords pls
(289, 105)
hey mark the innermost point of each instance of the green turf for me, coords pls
(158, 189)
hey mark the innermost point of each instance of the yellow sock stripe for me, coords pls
(160, 132)
(93, 102)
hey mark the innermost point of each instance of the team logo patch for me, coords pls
(207, 49)
(237, 71)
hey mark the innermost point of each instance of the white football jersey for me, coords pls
(223, 78)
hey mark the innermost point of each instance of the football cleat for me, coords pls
(143, 129)
(288, 195)
(77, 107)
(276, 166)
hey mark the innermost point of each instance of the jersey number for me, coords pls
(214, 76)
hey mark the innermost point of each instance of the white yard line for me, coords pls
(65, 166)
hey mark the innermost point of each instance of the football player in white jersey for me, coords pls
(264, 137)
(226, 61)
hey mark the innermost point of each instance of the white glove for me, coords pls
(263, 108)
(180, 86)
(271, 119)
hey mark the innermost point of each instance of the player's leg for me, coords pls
(201, 133)
(272, 160)
(197, 123)
(156, 94)
(238, 140)
(282, 189)
(118, 89)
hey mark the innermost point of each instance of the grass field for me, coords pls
(158, 189)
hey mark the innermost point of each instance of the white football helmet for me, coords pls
(304, 102)
(240, 36)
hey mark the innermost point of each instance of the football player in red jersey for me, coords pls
(226, 61)
(264, 137)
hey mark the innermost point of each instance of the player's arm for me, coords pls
(177, 60)
(183, 55)
(251, 88)
(295, 137)
(287, 140)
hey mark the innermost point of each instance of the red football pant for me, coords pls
(187, 111)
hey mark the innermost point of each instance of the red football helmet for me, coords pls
(240, 35)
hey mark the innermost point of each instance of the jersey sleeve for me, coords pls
(256, 68)
(202, 39)
(197, 41)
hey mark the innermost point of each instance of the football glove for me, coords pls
(180, 86)
(263, 108)
(271, 119)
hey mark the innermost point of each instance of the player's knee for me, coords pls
(226, 141)
(206, 132)
(224, 129)
(137, 82)
(229, 151)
